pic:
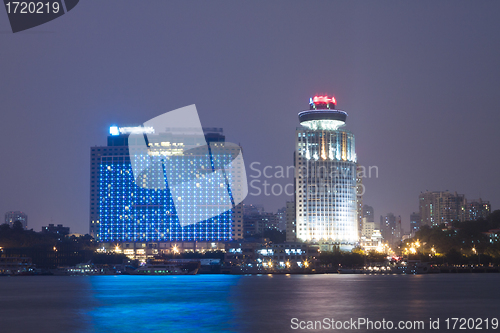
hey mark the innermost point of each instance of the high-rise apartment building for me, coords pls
(388, 228)
(281, 216)
(399, 231)
(124, 213)
(438, 208)
(414, 223)
(11, 217)
(359, 197)
(325, 176)
(477, 209)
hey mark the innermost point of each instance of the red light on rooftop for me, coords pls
(324, 99)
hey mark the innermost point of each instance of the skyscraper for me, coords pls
(325, 176)
(122, 212)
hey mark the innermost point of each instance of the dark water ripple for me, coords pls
(225, 303)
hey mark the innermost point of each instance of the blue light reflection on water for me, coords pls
(226, 303)
(163, 303)
(266, 303)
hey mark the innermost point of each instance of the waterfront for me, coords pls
(228, 303)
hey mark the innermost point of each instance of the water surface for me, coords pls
(228, 303)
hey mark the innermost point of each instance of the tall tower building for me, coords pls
(325, 176)
(125, 214)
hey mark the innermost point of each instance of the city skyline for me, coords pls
(419, 82)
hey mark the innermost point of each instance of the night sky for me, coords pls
(419, 80)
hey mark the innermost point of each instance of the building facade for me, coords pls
(438, 208)
(368, 228)
(414, 223)
(257, 223)
(360, 189)
(11, 217)
(325, 176)
(281, 216)
(369, 213)
(56, 229)
(388, 228)
(291, 230)
(251, 256)
(477, 209)
(139, 213)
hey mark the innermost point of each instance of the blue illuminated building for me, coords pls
(143, 220)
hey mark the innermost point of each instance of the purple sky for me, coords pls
(419, 80)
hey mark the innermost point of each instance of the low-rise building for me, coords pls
(56, 229)
(265, 255)
(493, 235)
